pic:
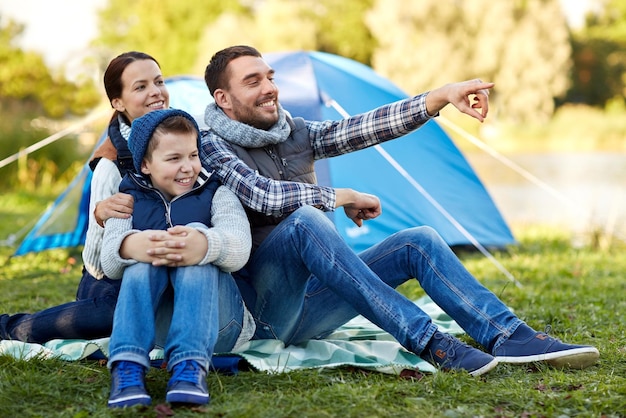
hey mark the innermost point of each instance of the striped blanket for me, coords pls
(359, 343)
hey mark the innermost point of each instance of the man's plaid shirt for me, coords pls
(328, 139)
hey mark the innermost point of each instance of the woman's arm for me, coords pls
(116, 231)
(104, 184)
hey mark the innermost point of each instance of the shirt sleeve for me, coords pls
(104, 184)
(230, 238)
(328, 139)
(333, 138)
(259, 193)
(115, 231)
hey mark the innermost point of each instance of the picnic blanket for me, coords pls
(359, 343)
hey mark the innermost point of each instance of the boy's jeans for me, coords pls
(304, 282)
(190, 294)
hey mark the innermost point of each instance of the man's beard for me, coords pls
(251, 116)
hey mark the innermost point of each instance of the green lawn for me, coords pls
(577, 293)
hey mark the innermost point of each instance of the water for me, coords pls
(578, 190)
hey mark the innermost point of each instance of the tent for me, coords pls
(421, 178)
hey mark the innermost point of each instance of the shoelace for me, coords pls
(129, 374)
(186, 371)
(449, 346)
(547, 330)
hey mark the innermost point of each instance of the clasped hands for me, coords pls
(176, 246)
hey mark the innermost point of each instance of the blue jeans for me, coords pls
(180, 303)
(303, 282)
(89, 316)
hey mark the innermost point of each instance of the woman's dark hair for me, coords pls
(215, 75)
(113, 74)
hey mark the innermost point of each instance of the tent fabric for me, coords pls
(309, 82)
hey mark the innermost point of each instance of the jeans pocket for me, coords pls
(227, 337)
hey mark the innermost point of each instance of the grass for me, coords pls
(577, 292)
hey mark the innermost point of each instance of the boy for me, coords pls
(170, 188)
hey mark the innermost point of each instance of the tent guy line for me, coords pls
(328, 101)
(512, 165)
(54, 137)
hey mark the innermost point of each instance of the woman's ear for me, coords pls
(118, 105)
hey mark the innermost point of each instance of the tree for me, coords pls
(520, 45)
(322, 25)
(24, 76)
(170, 30)
(599, 74)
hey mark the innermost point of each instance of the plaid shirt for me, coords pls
(328, 139)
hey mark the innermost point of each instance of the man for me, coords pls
(302, 281)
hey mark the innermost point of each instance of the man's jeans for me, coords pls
(304, 282)
(180, 303)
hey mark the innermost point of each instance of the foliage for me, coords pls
(572, 128)
(24, 76)
(576, 292)
(29, 96)
(49, 168)
(599, 54)
(327, 25)
(169, 30)
(340, 28)
(520, 45)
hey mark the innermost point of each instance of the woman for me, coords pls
(134, 86)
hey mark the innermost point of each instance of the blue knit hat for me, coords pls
(142, 129)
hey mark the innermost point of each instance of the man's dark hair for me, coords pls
(215, 75)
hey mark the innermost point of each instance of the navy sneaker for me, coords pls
(449, 353)
(188, 384)
(526, 345)
(127, 385)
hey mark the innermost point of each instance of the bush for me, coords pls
(42, 168)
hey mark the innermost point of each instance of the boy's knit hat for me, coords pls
(143, 127)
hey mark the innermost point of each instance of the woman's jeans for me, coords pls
(90, 316)
(304, 281)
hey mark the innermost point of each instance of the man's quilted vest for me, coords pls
(291, 160)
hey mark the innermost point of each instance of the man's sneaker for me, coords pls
(127, 385)
(526, 345)
(449, 353)
(188, 384)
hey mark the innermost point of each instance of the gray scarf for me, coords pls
(245, 135)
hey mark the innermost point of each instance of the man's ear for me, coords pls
(222, 99)
(117, 105)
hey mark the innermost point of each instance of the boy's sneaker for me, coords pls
(526, 345)
(127, 385)
(188, 384)
(449, 353)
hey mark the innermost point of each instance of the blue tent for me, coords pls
(421, 179)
